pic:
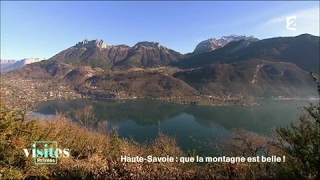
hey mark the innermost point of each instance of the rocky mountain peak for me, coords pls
(233, 37)
(147, 44)
(213, 43)
(91, 44)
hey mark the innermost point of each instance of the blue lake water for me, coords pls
(194, 127)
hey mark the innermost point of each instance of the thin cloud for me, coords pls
(307, 15)
(249, 19)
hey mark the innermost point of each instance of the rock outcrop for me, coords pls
(91, 44)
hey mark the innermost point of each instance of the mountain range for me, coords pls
(232, 64)
(96, 53)
(9, 65)
(213, 43)
(301, 50)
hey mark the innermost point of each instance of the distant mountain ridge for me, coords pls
(17, 64)
(302, 50)
(271, 67)
(213, 43)
(6, 62)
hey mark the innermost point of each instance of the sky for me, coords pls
(43, 29)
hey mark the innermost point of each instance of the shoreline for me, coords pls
(289, 99)
(296, 99)
(32, 92)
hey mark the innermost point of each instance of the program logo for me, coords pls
(46, 152)
(291, 23)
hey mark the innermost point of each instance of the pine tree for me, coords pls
(301, 144)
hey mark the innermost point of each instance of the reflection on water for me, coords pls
(193, 126)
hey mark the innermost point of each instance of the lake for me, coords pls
(194, 127)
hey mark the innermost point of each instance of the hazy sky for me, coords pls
(43, 29)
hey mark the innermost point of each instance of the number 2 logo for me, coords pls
(291, 23)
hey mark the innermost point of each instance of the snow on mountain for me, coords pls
(18, 64)
(213, 43)
(6, 63)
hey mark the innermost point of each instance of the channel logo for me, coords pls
(291, 23)
(46, 152)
